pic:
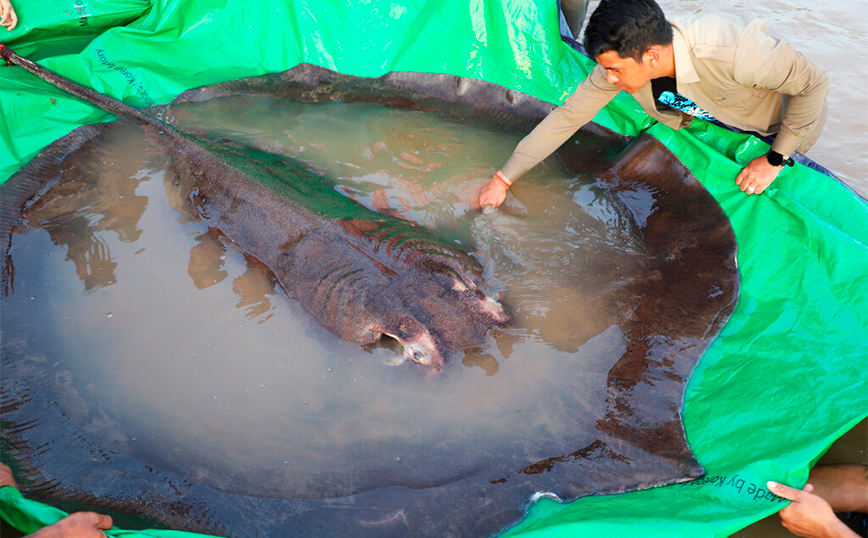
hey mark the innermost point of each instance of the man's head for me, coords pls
(629, 38)
(628, 27)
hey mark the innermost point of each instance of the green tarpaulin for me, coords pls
(784, 379)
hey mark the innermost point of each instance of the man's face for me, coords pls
(625, 73)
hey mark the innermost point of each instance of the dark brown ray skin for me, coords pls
(690, 289)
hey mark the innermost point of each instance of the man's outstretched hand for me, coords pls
(492, 194)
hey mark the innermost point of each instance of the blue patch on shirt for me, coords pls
(679, 102)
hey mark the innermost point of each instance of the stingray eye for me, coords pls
(418, 356)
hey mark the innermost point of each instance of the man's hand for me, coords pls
(6, 478)
(7, 15)
(493, 193)
(809, 515)
(77, 525)
(757, 176)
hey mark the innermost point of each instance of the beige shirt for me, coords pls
(730, 67)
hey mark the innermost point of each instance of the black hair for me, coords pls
(627, 27)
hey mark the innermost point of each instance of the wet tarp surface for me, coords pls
(782, 381)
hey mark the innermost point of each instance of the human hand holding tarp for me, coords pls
(809, 515)
(77, 525)
(7, 15)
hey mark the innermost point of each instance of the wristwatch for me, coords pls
(776, 159)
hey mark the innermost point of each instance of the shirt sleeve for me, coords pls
(767, 62)
(578, 109)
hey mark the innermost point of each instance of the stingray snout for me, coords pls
(426, 356)
(417, 343)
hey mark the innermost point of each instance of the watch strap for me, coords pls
(776, 159)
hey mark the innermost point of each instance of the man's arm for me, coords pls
(843, 485)
(578, 109)
(767, 62)
(764, 61)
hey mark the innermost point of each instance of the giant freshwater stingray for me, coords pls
(611, 423)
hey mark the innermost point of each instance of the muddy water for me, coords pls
(164, 342)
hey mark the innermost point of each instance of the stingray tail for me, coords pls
(109, 104)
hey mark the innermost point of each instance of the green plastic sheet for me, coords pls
(785, 378)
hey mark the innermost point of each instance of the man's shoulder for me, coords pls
(715, 29)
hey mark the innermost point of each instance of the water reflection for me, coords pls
(402, 163)
(255, 288)
(206, 260)
(97, 195)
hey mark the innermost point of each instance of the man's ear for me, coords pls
(652, 57)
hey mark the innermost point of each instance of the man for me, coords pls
(717, 67)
